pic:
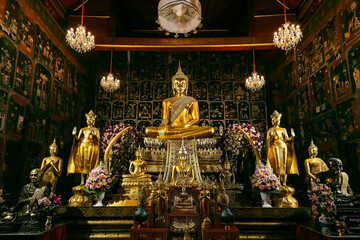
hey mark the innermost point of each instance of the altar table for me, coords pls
(220, 233)
(144, 233)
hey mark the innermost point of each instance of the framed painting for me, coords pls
(159, 72)
(144, 112)
(320, 91)
(216, 110)
(103, 110)
(302, 66)
(214, 91)
(134, 72)
(204, 110)
(348, 116)
(200, 91)
(229, 72)
(349, 18)
(146, 91)
(7, 61)
(157, 110)
(59, 66)
(340, 80)
(56, 97)
(258, 110)
(354, 66)
(22, 80)
(230, 110)
(26, 35)
(44, 49)
(215, 71)
(241, 92)
(303, 102)
(228, 91)
(41, 87)
(244, 110)
(161, 91)
(130, 110)
(316, 51)
(219, 127)
(332, 42)
(117, 110)
(3, 108)
(15, 116)
(323, 130)
(10, 22)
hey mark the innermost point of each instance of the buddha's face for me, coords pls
(313, 152)
(180, 86)
(35, 175)
(182, 158)
(276, 121)
(90, 121)
(53, 150)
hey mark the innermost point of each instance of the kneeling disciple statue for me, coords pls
(313, 165)
(83, 158)
(51, 167)
(180, 114)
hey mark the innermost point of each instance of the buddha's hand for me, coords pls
(74, 131)
(162, 130)
(292, 132)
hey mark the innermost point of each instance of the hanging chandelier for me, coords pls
(179, 17)
(288, 35)
(255, 82)
(109, 83)
(78, 40)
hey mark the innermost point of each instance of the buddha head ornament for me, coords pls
(90, 118)
(275, 118)
(53, 149)
(138, 153)
(313, 150)
(179, 82)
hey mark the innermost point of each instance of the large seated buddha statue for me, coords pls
(180, 114)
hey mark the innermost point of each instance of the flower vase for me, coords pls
(265, 197)
(99, 199)
(48, 223)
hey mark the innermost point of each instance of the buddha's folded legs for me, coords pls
(173, 133)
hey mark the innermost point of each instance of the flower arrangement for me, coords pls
(234, 139)
(48, 205)
(340, 224)
(322, 201)
(264, 180)
(99, 180)
(124, 148)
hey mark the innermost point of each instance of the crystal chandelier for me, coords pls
(255, 82)
(109, 83)
(288, 35)
(78, 40)
(179, 17)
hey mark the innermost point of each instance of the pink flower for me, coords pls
(57, 199)
(44, 201)
(98, 185)
(313, 208)
(109, 180)
(107, 186)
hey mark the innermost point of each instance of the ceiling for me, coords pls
(224, 21)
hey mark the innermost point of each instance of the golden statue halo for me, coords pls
(275, 114)
(90, 114)
(312, 146)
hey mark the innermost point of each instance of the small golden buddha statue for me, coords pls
(161, 200)
(137, 168)
(184, 203)
(281, 153)
(227, 177)
(313, 165)
(51, 167)
(180, 114)
(205, 204)
(183, 174)
(84, 157)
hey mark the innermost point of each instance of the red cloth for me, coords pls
(306, 234)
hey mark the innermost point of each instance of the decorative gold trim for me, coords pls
(184, 46)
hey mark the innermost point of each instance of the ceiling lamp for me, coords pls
(255, 82)
(78, 40)
(288, 35)
(108, 83)
(179, 16)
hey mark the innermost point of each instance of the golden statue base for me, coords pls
(206, 223)
(285, 198)
(127, 195)
(81, 198)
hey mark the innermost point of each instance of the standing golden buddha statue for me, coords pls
(281, 153)
(282, 159)
(84, 157)
(51, 167)
(313, 165)
(180, 114)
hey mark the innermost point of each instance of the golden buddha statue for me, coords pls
(133, 182)
(313, 165)
(51, 167)
(205, 204)
(180, 114)
(184, 203)
(137, 168)
(84, 157)
(182, 174)
(226, 176)
(281, 153)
